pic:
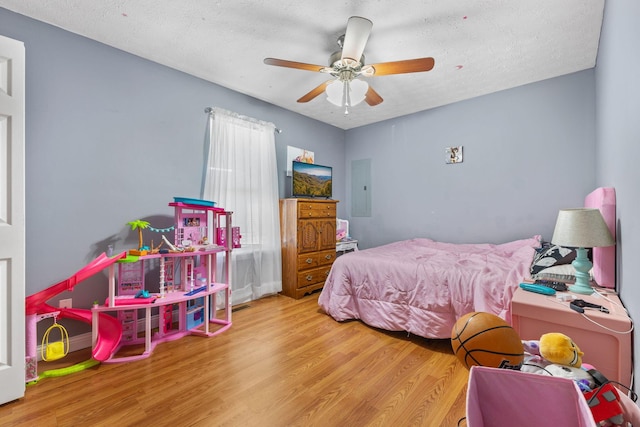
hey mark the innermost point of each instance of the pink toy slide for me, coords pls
(109, 331)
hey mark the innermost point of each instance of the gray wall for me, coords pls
(528, 152)
(618, 137)
(111, 138)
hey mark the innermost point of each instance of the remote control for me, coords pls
(558, 286)
(539, 289)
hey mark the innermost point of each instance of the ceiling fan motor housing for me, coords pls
(335, 62)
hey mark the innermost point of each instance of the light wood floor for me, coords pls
(283, 363)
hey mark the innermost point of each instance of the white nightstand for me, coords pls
(606, 345)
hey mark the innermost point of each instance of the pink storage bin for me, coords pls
(503, 397)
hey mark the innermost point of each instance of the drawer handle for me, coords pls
(309, 260)
(309, 278)
(328, 256)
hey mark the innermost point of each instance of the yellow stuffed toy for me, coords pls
(559, 348)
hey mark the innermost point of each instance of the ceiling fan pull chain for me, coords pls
(345, 97)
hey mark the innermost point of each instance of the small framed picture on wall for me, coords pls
(454, 155)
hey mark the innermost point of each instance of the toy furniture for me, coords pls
(606, 345)
(345, 246)
(187, 284)
(344, 242)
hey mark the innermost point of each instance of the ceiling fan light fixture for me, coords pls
(334, 92)
(346, 93)
(358, 91)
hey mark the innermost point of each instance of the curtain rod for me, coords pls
(209, 110)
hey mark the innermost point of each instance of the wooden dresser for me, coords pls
(308, 231)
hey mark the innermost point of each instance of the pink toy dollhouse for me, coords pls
(188, 295)
(187, 304)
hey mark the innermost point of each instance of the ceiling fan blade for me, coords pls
(293, 64)
(401, 67)
(315, 92)
(355, 38)
(372, 98)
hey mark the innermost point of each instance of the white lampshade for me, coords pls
(358, 91)
(581, 228)
(336, 92)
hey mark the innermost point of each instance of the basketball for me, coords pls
(484, 339)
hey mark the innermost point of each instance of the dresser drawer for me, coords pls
(316, 259)
(313, 276)
(316, 210)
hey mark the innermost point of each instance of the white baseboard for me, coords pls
(82, 341)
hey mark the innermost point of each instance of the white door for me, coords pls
(12, 221)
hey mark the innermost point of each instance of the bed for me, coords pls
(423, 286)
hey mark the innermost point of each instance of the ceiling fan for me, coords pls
(347, 64)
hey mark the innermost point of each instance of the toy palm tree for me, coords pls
(139, 225)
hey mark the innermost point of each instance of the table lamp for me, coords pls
(581, 228)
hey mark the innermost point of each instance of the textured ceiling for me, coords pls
(479, 46)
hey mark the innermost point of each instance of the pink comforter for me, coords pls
(422, 286)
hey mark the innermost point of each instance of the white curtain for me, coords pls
(241, 176)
